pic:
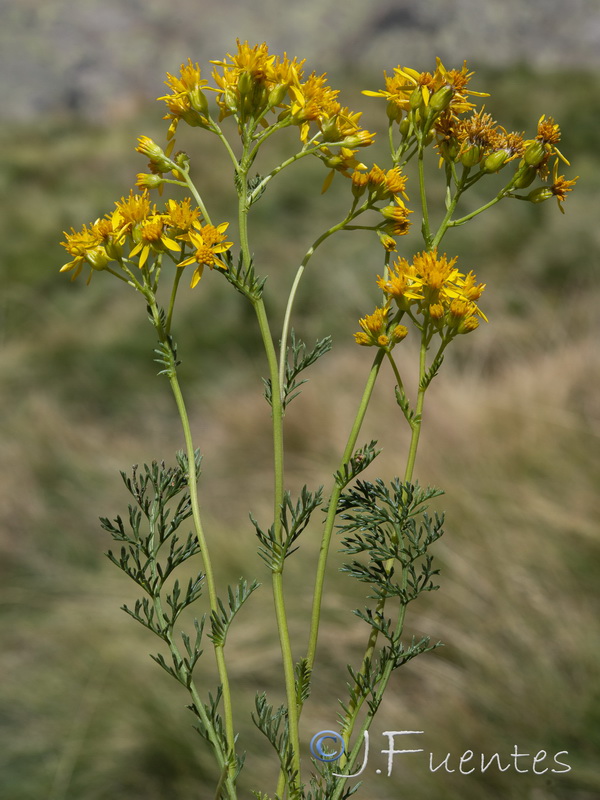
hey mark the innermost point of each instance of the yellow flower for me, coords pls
(254, 81)
(407, 89)
(433, 284)
(187, 101)
(397, 218)
(86, 248)
(478, 136)
(401, 283)
(560, 186)
(376, 331)
(312, 100)
(181, 216)
(133, 210)
(158, 159)
(152, 238)
(208, 241)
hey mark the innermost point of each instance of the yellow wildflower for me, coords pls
(133, 209)
(187, 101)
(407, 89)
(560, 186)
(397, 223)
(152, 238)
(86, 248)
(401, 284)
(433, 284)
(208, 241)
(181, 216)
(376, 331)
(254, 81)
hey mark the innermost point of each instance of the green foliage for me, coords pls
(300, 360)
(221, 620)
(242, 276)
(358, 462)
(294, 518)
(390, 525)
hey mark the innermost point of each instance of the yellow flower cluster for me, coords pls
(434, 107)
(407, 90)
(137, 230)
(432, 292)
(379, 331)
(251, 82)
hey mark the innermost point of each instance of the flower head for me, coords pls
(434, 287)
(187, 101)
(408, 89)
(209, 241)
(378, 332)
(152, 236)
(85, 247)
(254, 81)
(560, 186)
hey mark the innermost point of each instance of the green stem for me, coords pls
(352, 214)
(278, 466)
(415, 425)
(462, 220)
(332, 510)
(195, 193)
(423, 195)
(193, 490)
(176, 279)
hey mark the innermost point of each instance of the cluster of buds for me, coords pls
(379, 331)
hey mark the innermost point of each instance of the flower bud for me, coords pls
(393, 111)
(467, 325)
(441, 99)
(404, 127)
(155, 153)
(388, 242)
(277, 94)
(389, 212)
(198, 101)
(148, 181)
(244, 83)
(471, 156)
(416, 99)
(360, 181)
(97, 258)
(540, 194)
(400, 332)
(436, 311)
(495, 161)
(534, 154)
(525, 177)
(113, 250)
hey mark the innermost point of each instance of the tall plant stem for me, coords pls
(193, 490)
(416, 425)
(425, 225)
(278, 493)
(408, 473)
(352, 214)
(332, 510)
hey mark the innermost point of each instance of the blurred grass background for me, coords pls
(511, 430)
